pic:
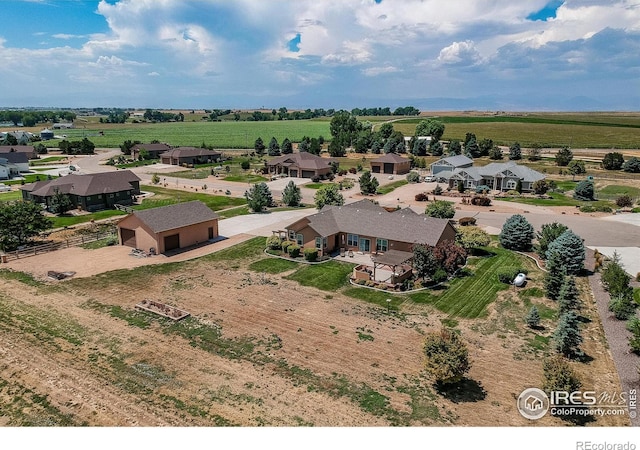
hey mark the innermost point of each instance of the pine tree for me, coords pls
(259, 147)
(569, 296)
(567, 337)
(259, 197)
(291, 195)
(517, 233)
(274, 147)
(287, 146)
(554, 278)
(533, 317)
(570, 249)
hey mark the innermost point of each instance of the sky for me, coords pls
(511, 55)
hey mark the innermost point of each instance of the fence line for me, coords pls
(52, 246)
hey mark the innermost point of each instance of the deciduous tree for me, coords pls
(440, 209)
(19, 222)
(447, 356)
(328, 195)
(612, 161)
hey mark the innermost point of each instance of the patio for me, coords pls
(391, 267)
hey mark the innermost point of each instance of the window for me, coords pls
(511, 184)
(292, 235)
(382, 245)
(110, 195)
(352, 240)
(469, 183)
(319, 243)
(299, 239)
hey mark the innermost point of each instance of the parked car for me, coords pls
(429, 179)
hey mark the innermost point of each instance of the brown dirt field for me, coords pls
(73, 352)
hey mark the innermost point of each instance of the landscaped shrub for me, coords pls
(422, 197)
(599, 208)
(437, 190)
(479, 200)
(310, 254)
(315, 179)
(352, 170)
(584, 191)
(506, 275)
(273, 243)
(467, 221)
(513, 193)
(624, 201)
(285, 245)
(293, 250)
(413, 177)
(622, 307)
(482, 189)
(439, 276)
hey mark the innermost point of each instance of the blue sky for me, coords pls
(432, 54)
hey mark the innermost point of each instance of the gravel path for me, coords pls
(617, 336)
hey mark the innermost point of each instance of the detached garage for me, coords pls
(169, 227)
(391, 164)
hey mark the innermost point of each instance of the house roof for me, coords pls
(455, 161)
(304, 160)
(500, 170)
(157, 147)
(15, 157)
(29, 149)
(393, 258)
(189, 152)
(175, 216)
(84, 185)
(367, 219)
(391, 158)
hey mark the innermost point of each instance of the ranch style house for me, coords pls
(300, 165)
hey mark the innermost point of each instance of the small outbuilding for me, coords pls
(169, 227)
(391, 163)
(46, 134)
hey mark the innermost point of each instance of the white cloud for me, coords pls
(459, 54)
(375, 71)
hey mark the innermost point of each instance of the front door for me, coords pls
(365, 245)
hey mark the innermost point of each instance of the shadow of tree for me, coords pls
(463, 391)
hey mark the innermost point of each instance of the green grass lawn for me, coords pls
(68, 221)
(245, 178)
(147, 162)
(273, 265)
(29, 178)
(329, 276)
(164, 197)
(557, 199)
(249, 249)
(10, 196)
(233, 212)
(317, 185)
(375, 297)
(469, 297)
(613, 191)
(391, 186)
(46, 160)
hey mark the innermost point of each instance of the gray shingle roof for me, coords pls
(304, 160)
(367, 219)
(175, 216)
(189, 152)
(84, 185)
(456, 161)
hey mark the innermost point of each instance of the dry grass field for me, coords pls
(260, 349)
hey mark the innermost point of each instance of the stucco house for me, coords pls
(444, 167)
(12, 164)
(497, 176)
(391, 163)
(300, 165)
(155, 150)
(366, 227)
(91, 192)
(189, 155)
(169, 227)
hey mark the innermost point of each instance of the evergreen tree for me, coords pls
(291, 195)
(570, 248)
(554, 278)
(60, 203)
(274, 147)
(259, 147)
(515, 152)
(569, 296)
(564, 156)
(533, 317)
(584, 190)
(287, 147)
(368, 183)
(517, 233)
(567, 337)
(259, 197)
(495, 153)
(548, 233)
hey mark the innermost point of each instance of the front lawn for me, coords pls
(164, 197)
(10, 196)
(68, 221)
(273, 265)
(245, 178)
(391, 186)
(329, 276)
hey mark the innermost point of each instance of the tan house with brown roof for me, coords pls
(189, 156)
(391, 163)
(90, 192)
(155, 150)
(366, 227)
(169, 227)
(28, 150)
(300, 165)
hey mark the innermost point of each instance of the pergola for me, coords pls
(391, 259)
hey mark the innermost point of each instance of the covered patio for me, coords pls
(392, 267)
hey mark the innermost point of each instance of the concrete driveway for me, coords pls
(260, 224)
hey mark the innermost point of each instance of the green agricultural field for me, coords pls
(217, 134)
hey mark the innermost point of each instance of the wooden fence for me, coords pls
(55, 245)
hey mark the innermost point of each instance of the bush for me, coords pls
(632, 165)
(293, 250)
(467, 221)
(622, 307)
(440, 209)
(437, 190)
(245, 165)
(285, 245)
(584, 191)
(483, 189)
(439, 276)
(274, 243)
(613, 161)
(310, 254)
(422, 197)
(480, 200)
(624, 201)
(352, 170)
(413, 177)
(315, 179)
(506, 275)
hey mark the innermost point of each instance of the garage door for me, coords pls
(388, 167)
(128, 237)
(171, 242)
(375, 169)
(293, 173)
(308, 174)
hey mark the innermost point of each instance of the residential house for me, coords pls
(189, 156)
(497, 176)
(23, 137)
(91, 192)
(155, 150)
(444, 167)
(391, 163)
(366, 227)
(28, 150)
(169, 227)
(12, 164)
(300, 165)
